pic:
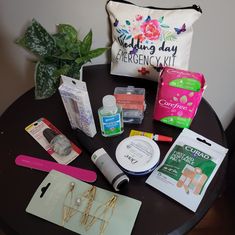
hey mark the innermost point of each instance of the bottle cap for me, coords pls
(109, 103)
(120, 182)
(162, 138)
(49, 134)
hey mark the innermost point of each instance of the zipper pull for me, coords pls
(197, 8)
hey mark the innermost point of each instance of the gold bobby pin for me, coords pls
(69, 210)
(103, 215)
(90, 195)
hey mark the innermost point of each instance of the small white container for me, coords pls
(138, 155)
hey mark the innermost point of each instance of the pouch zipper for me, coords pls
(194, 6)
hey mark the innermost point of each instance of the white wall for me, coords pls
(212, 49)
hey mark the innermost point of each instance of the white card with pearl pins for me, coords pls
(82, 207)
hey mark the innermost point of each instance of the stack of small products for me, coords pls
(132, 101)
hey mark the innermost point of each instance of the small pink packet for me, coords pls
(178, 96)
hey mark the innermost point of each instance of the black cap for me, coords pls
(90, 144)
(49, 134)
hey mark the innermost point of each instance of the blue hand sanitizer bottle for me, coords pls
(110, 117)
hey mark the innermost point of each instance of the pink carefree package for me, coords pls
(178, 96)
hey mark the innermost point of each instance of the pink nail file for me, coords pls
(44, 165)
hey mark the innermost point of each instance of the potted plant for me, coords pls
(57, 54)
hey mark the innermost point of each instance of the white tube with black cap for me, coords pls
(108, 167)
(103, 161)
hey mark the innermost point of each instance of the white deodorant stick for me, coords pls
(109, 168)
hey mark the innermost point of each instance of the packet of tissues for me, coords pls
(178, 96)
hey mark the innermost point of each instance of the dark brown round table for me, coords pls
(158, 213)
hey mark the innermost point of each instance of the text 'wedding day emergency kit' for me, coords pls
(147, 37)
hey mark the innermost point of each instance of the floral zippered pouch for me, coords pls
(144, 38)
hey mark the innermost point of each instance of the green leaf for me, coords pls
(169, 36)
(21, 41)
(69, 31)
(74, 71)
(66, 49)
(86, 44)
(60, 43)
(92, 54)
(37, 40)
(165, 26)
(46, 83)
(74, 49)
(70, 52)
(65, 38)
(160, 20)
(96, 52)
(64, 56)
(82, 60)
(64, 70)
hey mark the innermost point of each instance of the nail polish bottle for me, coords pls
(110, 117)
(58, 142)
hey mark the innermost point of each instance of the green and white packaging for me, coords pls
(188, 168)
(54, 199)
